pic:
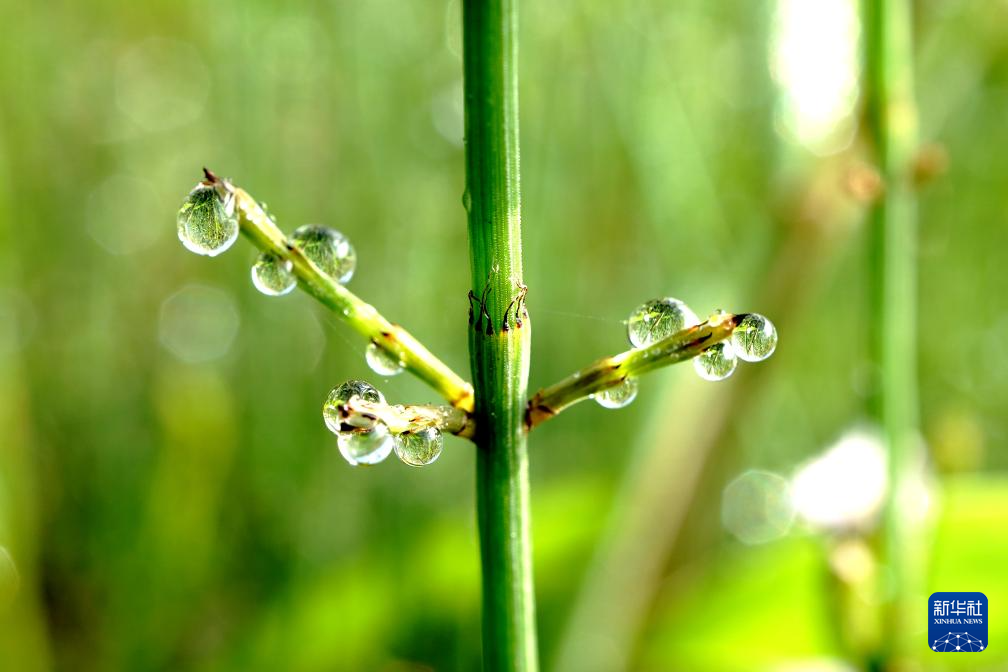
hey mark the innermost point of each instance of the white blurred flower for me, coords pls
(846, 485)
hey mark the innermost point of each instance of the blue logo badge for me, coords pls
(957, 622)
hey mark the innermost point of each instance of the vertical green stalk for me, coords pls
(892, 125)
(498, 346)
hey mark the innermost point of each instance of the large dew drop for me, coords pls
(617, 396)
(272, 275)
(755, 338)
(207, 224)
(716, 362)
(343, 394)
(657, 320)
(369, 446)
(328, 249)
(419, 448)
(383, 362)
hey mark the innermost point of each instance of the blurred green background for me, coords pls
(169, 496)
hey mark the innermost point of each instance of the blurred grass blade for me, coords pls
(892, 127)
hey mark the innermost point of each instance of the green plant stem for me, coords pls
(611, 371)
(499, 356)
(361, 316)
(892, 125)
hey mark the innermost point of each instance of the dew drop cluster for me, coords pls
(753, 340)
(366, 439)
(327, 248)
(208, 225)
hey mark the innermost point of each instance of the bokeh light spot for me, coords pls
(814, 60)
(198, 323)
(756, 507)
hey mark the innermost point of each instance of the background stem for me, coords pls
(892, 126)
(499, 356)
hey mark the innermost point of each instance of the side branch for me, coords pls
(611, 371)
(403, 419)
(360, 315)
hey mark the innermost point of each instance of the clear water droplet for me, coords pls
(207, 224)
(419, 448)
(617, 396)
(716, 362)
(657, 320)
(272, 275)
(755, 338)
(383, 362)
(342, 394)
(366, 446)
(328, 249)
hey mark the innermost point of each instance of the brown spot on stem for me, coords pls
(472, 297)
(537, 412)
(698, 341)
